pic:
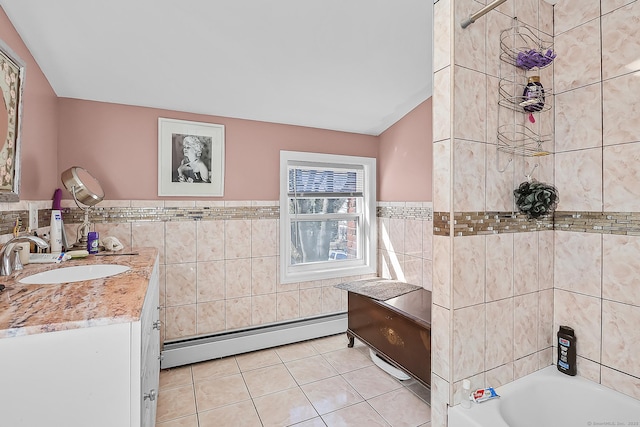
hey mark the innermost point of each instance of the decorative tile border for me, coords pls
(465, 223)
(405, 212)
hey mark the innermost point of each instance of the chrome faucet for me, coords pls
(7, 264)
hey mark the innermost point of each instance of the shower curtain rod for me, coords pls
(471, 19)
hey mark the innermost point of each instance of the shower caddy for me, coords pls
(522, 54)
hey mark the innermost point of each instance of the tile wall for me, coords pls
(219, 260)
(499, 298)
(596, 170)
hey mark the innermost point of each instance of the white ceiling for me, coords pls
(349, 65)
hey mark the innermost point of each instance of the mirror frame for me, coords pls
(12, 69)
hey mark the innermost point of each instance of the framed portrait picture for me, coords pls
(11, 82)
(190, 158)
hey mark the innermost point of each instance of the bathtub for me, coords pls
(550, 398)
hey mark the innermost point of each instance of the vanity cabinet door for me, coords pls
(150, 352)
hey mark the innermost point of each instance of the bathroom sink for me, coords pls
(74, 274)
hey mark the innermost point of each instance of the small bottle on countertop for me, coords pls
(92, 242)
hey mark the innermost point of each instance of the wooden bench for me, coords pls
(398, 330)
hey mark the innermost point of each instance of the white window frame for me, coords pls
(366, 264)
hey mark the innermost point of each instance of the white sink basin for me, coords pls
(74, 274)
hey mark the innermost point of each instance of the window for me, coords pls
(327, 216)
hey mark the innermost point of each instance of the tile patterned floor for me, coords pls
(317, 383)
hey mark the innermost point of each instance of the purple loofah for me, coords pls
(533, 58)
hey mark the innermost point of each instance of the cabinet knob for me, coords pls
(157, 324)
(151, 395)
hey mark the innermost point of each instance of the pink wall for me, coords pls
(39, 130)
(406, 157)
(118, 144)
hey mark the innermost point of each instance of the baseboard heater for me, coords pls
(184, 352)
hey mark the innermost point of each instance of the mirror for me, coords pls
(86, 190)
(4, 122)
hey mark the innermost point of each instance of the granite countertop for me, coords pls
(34, 309)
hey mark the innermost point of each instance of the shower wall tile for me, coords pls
(570, 14)
(579, 180)
(442, 271)
(499, 376)
(441, 34)
(610, 5)
(527, 12)
(621, 382)
(620, 343)
(468, 344)
(525, 259)
(180, 242)
(579, 63)
(622, 178)
(439, 401)
(499, 335)
(621, 41)
(525, 366)
(545, 319)
(620, 268)
(545, 259)
(545, 18)
(469, 48)
(442, 100)
(470, 101)
(499, 270)
(413, 270)
(469, 176)
(440, 340)
(397, 235)
(468, 270)
(413, 237)
(579, 118)
(583, 314)
(578, 262)
(441, 176)
(525, 328)
(496, 23)
(619, 108)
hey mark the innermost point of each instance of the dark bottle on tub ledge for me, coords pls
(567, 350)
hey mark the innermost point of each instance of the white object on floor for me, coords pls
(389, 369)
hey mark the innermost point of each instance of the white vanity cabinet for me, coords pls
(102, 375)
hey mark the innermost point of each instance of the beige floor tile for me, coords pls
(188, 421)
(331, 394)
(348, 359)
(314, 422)
(401, 408)
(238, 414)
(296, 351)
(257, 359)
(371, 381)
(175, 377)
(361, 414)
(284, 408)
(215, 368)
(268, 380)
(217, 392)
(175, 403)
(310, 369)
(334, 342)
